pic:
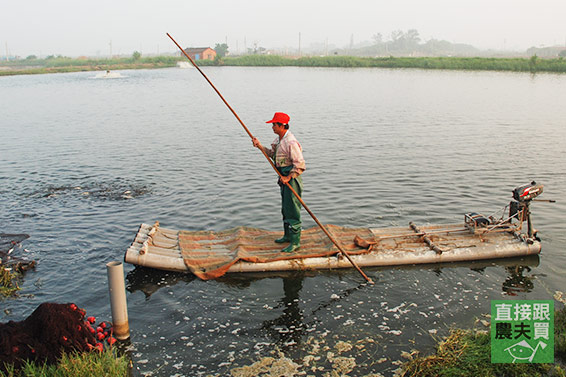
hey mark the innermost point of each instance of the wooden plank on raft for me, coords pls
(425, 238)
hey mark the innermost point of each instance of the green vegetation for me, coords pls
(8, 281)
(533, 64)
(32, 65)
(60, 64)
(560, 333)
(468, 353)
(221, 50)
(89, 364)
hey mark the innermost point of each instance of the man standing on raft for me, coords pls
(287, 154)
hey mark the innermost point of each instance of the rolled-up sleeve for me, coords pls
(297, 159)
(270, 151)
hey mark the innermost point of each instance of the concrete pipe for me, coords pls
(118, 305)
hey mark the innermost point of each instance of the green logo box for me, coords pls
(522, 331)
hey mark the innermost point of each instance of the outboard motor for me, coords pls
(519, 208)
(527, 192)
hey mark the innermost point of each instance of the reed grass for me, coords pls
(107, 363)
(560, 333)
(468, 353)
(532, 64)
(64, 64)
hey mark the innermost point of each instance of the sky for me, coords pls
(120, 27)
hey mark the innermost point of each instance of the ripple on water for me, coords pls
(83, 168)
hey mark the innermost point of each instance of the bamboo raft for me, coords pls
(209, 254)
(161, 248)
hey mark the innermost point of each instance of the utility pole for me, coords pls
(299, 43)
(7, 51)
(110, 45)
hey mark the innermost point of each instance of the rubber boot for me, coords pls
(295, 238)
(285, 237)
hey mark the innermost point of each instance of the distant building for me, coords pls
(547, 52)
(201, 53)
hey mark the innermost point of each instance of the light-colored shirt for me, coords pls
(288, 152)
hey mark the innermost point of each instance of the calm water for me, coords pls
(85, 161)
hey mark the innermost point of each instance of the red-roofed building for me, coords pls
(201, 53)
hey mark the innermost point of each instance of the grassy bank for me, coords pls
(90, 364)
(468, 353)
(63, 64)
(533, 64)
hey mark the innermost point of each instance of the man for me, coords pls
(287, 154)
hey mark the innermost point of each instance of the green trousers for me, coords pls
(290, 205)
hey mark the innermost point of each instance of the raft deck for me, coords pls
(209, 254)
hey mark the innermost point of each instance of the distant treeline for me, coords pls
(64, 64)
(533, 64)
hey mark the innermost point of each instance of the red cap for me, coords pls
(279, 118)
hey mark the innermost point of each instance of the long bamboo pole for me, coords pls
(334, 241)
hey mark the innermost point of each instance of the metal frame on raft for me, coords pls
(479, 238)
(519, 209)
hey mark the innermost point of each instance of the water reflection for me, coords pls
(288, 329)
(516, 282)
(149, 280)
